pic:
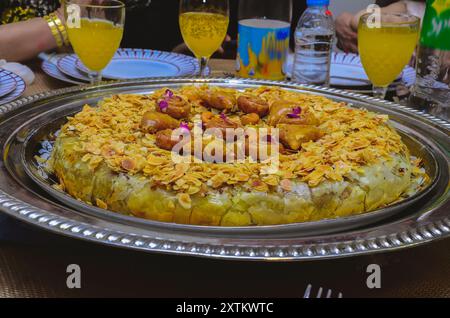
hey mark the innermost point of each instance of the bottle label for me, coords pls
(436, 25)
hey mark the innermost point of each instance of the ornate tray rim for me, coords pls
(278, 252)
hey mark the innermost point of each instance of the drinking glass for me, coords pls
(386, 46)
(204, 25)
(95, 29)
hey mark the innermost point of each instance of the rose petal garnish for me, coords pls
(297, 110)
(168, 93)
(184, 126)
(295, 113)
(163, 105)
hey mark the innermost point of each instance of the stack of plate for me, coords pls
(347, 72)
(126, 64)
(346, 69)
(12, 86)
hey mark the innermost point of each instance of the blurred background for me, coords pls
(148, 20)
(339, 6)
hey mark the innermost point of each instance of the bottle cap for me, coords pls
(311, 3)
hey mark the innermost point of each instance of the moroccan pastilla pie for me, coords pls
(334, 160)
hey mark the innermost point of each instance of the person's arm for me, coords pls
(21, 41)
(347, 36)
(347, 26)
(416, 8)
(24, 40)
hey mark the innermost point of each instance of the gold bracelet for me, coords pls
(61, 27)
(55, 31)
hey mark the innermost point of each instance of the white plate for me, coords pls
(7, 82)
(141, 63)
(346, 70)
(19, 88)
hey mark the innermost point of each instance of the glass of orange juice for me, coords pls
(386, 46)
(95, 29)
(204, 25)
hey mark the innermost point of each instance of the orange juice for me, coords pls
(203, 32)
(385, 51)
(95, 42)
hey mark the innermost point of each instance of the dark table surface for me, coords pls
(33, 263)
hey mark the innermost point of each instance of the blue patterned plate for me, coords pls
(20, 87)
(141, 63)
(49, 66)
(7, 83)
(67, 65)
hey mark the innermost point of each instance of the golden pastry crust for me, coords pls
(357, 163)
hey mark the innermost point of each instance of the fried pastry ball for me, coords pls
(286, 112)
(253, 104)
(154, 121)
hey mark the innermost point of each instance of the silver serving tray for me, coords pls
(26, 192)
(20, 161)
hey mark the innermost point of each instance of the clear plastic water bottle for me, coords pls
(314, 38)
